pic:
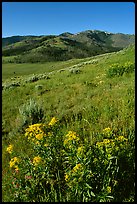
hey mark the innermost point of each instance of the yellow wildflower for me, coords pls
(9, 149)
(106, 130)
(33, 130)
(80, 149)
(70, 137)
(13, 161)
(26, 133)
(77, 167)
(66, 177)
(109, 189)
(121, 138)
(99, 144)
(36, 160)
(106, 141)
(53, 121)
(39, 136)
(37, 143)
(16, 168)
(30, 134)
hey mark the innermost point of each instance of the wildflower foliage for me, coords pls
(66, 168)
(118, 70)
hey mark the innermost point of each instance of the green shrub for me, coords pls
(31, 112)
(119, 70)
(75, 71)
(129, 67)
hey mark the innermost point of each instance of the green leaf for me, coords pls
(110, 197)
(88, 186)
(92, 194)
(88, 193)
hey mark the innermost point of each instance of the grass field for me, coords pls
(85, 100)
(8, 69)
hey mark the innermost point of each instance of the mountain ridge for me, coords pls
(63, 46)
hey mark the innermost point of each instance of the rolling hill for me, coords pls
(33, 49)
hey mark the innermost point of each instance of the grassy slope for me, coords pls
(25, 69)
(87, 102)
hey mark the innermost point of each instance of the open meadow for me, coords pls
(68, 130)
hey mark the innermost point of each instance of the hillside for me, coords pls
(68, 129)
(23, 49)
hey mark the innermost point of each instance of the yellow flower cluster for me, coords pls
(71, 136)
(35, 131)
(39, 136)
(108, 189)
(77, 167)
(103, 143)
(80, 150)
(121, 138)
(72, 173)
(9, 149)
(13, 163)
(112, 144)
(66, 177)
(36, 160)
(106, 130)
(53, 121)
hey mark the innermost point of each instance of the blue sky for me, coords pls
(48, 18)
